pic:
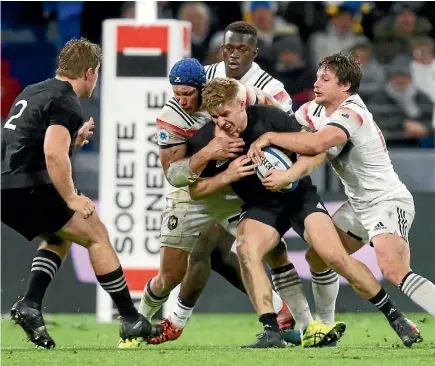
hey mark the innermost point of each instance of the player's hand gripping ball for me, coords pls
(275, 159)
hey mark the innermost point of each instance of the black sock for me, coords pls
(44, 268)
(269, 321)
(186, 303)
(115, 285)
(383, 303)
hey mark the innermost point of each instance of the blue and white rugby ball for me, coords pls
(275, 159)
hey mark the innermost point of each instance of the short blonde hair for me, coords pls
(220, 91)
(76, 57)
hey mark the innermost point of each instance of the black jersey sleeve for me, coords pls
(200, 139)
(64, 112)
(283, 122)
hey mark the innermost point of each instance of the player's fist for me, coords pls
(225, 147)
(81, 204)
(239, 168)
(84, 133)
(255, 152)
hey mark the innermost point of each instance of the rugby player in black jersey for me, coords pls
(38, 197)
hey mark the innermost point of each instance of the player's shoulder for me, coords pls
(215, 70)
(264, 110)
(354, 102)
(261, 79)
(311, 109)
(173, 114)
(353, 108)
(45, 94)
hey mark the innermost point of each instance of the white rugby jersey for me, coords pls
(362, 162)
(258, 78)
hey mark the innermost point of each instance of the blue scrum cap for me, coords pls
(188, 71)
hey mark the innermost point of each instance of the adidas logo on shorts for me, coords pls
(379, 226)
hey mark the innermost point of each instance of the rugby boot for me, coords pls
(29, 317)
(319, 334)
(407, 331)
(140, 328)
(268, 339)
(170, 333)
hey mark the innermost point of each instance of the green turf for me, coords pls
(215, 340)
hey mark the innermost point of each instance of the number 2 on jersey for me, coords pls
(8, 123)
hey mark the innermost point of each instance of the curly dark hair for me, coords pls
(242, 27)
(346, 68)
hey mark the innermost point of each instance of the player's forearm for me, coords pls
(60, 172)
(298, 142)
(304, 166)
(205, 187)
(199, 161)
(185, 172)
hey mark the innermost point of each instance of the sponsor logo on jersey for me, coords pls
(345, 115)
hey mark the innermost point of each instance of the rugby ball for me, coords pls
(275, 159)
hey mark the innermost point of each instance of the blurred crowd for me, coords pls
(393, 40)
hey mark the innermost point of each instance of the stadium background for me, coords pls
(394, 39)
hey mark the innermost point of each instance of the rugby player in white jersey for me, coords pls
(183, 221)
(380, 209)
(239, 49)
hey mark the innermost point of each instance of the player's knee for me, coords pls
(316, 263)
(198, 258)
(98, 233)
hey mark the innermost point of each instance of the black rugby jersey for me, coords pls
(51, 102)
(261, 119)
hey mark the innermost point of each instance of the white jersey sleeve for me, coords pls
(174, 126)
(275, 88)
(257, 78)
(303, 116)
(348, 120)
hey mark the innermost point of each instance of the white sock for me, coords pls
(150, 303)
(420, 290)
(277, 302)
(289, 287)
(181, 314)
(325, 290)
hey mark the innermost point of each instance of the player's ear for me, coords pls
(347, 85)
(255, 53)
(90, 72)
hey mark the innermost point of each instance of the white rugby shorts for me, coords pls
(389, 216)
(183, 222)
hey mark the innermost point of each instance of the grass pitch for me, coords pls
(215, 340)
